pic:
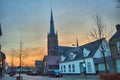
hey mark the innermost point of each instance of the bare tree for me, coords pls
(21, 55)
(12, 63)
(99, 33)
(12, 59)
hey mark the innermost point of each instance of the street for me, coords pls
(65, 77)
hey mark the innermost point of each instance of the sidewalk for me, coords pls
(7, 77)
(65, 77)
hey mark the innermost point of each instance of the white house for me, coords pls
(86, 58)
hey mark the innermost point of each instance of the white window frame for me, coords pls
(73, 67)
(64, 68)
(89, 67)
(69, 66)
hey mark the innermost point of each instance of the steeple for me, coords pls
(52, 39)
(77, 42)
(52, 32)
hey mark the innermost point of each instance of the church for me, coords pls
(51, 60)
(75, 60)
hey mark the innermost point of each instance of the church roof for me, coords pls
(52, 60)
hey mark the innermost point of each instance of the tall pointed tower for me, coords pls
(52, 39)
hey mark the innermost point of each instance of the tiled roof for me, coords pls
(62, 50)
(115, 36)
(92, 47)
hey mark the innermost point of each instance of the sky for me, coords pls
(29, 20)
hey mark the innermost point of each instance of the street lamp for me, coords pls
(84, 66)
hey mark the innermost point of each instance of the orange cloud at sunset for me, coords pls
(30, 55)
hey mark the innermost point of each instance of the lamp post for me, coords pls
(84, 65)
(44, 67)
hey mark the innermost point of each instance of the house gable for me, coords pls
(72, 55)
(98, 53)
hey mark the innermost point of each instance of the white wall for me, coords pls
(90, 60)
(77, 66)
(76, 63)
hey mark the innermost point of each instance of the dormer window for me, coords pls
(72, 56)
(63, 58)
(118, 46)
(86, 52)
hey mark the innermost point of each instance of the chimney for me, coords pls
(118, 27)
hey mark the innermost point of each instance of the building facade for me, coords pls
(2, 64)
(51, 60)
(115, 49)
(2, 59)
(86, 58)
(38, 66)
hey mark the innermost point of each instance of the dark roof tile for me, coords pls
(115, 36)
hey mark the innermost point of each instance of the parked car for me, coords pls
(55, 73)
(33, 73)
(12, 73)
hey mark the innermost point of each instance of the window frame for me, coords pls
(69, 66)
(89, 67)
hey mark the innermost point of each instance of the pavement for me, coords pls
(65, 77)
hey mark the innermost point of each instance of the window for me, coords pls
(81, 67)
(64, 68)
(71, 56)
(89, 67)
(73, 67)
(61, 69)
(101, 67)
(69, 68)
(118, 46)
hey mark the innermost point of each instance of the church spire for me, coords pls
(77, 42)
(52, 24)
